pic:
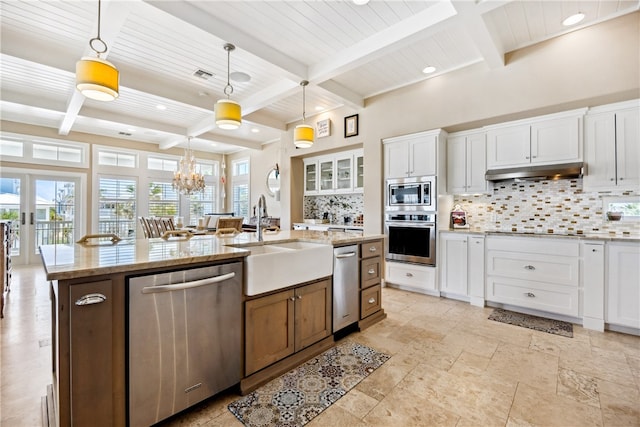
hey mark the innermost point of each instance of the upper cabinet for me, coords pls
(413, 155)
(466, 162)
(612, 147)
(336, 173)
(549, 139)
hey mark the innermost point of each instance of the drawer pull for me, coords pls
(371, 271)
(529, 267)
(372, 300)
(91, 299)
(530, 294)
(409, 274)
(372, 249)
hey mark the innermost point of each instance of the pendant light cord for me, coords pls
(228, 89)
(304, 84)
(98, 39)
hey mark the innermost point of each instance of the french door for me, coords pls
(44, 208)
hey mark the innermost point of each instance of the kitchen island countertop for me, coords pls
(68, 261)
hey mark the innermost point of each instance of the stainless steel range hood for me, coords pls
(566, 170)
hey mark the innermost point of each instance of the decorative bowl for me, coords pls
(614, 216)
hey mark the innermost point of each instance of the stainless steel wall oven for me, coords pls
(411, 237)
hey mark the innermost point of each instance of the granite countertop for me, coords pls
(633, 238)
(82, 260)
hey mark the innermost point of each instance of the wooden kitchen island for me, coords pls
(89, 347)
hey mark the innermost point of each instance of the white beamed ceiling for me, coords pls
(347, 52)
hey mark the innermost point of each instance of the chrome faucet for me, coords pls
(262, 213)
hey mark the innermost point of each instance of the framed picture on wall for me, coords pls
(351, 126)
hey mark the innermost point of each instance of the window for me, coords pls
(201, 204)
(240, 188)
(117, 206)
(43, 151)
(628, 205)
(163, 199)
(161, 164)
(112, 158)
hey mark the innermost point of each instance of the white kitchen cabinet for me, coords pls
(412, 155)
(466, 162)
(310, 177)
(412, 277)
(593, 280)
(534, 273)
(462, 266)
(543, 140)
(623, 284)
(341, 172)
(612, 147)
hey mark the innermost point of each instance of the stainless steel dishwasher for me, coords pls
(184, 339)
(346, 304)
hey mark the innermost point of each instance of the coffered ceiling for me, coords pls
(347, 52)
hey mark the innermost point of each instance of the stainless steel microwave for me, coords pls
(415, 193)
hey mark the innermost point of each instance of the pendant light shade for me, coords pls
(228, 113)
(97, 78)
(303, 134)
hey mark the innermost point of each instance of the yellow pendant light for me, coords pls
(228, 112)
(303, 134)
(97, 78)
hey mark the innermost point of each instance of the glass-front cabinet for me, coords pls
(326, 174)
(344, 176)
(310, 177)
(335, 173)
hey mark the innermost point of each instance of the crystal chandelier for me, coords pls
(187, 180)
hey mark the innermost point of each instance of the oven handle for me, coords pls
(187, 285)
(414, 224)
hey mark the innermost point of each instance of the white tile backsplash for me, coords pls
(543, 206)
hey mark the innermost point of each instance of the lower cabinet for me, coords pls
(623, 291)
(536, 273)
(280, 324)
(413, 277)
(593, 281)
(462, 266)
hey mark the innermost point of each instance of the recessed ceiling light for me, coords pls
(360, 2)
(239, 76)
(573, 19)
(214, 144)
(428, 70)
(131, 130)
(255, 130)
(161, 107)
(319, 108)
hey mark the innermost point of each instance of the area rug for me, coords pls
(295, 398)
(550, 326)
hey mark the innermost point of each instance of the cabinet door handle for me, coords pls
(530, 294)
(534, 157)
(527, 157)
(372, 300)
(612, 179)
(594, 250)
(529, 267)
(371, 271)
(409, 274)
(621, 178)
(91, 299)
(299, 297)
(292, 298)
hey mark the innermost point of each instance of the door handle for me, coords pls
(91, 299)
(31, 217)
(22, 218)
(187, 285)
(346, 255)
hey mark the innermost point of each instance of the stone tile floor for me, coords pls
(451, 366)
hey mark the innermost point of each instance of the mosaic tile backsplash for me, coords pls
(544, 206)
(337, 206)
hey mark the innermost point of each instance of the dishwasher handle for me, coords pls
(346, 255)
(187, 285)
